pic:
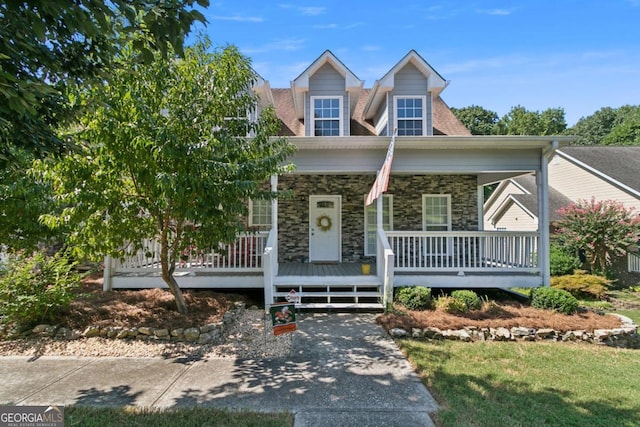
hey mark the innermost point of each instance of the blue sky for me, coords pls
(580, 55)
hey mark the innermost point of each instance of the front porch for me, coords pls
(460, 259)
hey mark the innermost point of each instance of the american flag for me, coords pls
(381, 183)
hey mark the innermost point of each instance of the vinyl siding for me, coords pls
(577, 183)
(326, 82)
(514, 218)
(510, 188)
(409, 81)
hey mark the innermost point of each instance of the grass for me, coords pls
(526, 384)
(631, 314)
(180, 417)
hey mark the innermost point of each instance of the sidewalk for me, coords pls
(342, 371)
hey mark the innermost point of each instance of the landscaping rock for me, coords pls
(191, 334)
(91, 331)
(398, 333)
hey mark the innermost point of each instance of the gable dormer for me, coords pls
(325, 96)
(403, 98)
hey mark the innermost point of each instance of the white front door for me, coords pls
(324, 228)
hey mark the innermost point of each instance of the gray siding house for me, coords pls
(323, 242)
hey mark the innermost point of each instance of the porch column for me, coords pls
(542, 181)
(274, 204)
(270, 255)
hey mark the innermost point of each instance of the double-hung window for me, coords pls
(436, 216)
(327, 115)
(371, 221)
(260, 213)
(410, 115)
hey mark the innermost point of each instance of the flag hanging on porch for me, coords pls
(381, 183)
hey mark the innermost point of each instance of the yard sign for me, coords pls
(283, 318)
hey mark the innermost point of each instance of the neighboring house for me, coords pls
(575, 173)
(315, 240)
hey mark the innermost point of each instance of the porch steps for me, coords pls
(332, 293)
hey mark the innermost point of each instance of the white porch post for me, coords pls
(542, 181)
(270, 256)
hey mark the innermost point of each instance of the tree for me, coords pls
(604, 230)
(520, 121)
(165, 155)
(47, 46)
(478, 120)
(609, 126)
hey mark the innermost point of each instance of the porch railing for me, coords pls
(464, 250)
(245, 254)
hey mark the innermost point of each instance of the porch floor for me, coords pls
(322, 269)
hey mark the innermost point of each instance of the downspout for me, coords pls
(543, 214)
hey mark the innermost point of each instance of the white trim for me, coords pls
(313, 119)
(424, 112)
(250, 219)
(424, 198)
(366, 221)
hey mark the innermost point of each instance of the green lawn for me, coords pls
(631, 314)
(181, 417)
(529, 384)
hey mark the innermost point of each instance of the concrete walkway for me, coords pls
(342, 371)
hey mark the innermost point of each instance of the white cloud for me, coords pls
(326, 26)
(370, 48)
(496, 12)
(305, 10)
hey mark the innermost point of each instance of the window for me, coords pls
(327, 116)
(436, 212)
(410, 116)
(260, 213)
(370, 222)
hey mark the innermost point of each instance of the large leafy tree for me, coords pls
(609, 126)
(478, 120)
(47, 46)
(169, 153)
(520, 121)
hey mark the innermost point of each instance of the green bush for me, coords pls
(451, 305)
(469, 298)
(34, 289)
(554, 299)
(415, 298)
(562, 262)
(581, 285)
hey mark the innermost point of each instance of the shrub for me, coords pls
(554, 299)
(470, 299)
(415, 298)
(451, 305)
(34, 289)
(562, 262)
(581, 285)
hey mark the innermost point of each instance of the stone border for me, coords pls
(206, 334)
(624, 337)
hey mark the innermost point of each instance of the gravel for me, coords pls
(250, 336)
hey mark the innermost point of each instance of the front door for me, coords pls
(324, 228)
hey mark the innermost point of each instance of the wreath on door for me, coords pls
(323, 222)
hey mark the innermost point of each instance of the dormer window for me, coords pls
(410, 115)
(327, 115)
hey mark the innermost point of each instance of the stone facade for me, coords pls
(407, 191)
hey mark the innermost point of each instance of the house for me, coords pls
(427, 229)
(575, 173)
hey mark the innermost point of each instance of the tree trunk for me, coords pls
(168, 267)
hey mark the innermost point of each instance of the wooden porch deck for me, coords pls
(322, 269)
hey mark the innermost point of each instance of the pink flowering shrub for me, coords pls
(603, 230)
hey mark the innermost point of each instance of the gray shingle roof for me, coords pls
(620, 163)
(530, 201)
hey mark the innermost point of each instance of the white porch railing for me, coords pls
(245, 254)
(634, 262)
(464, 250)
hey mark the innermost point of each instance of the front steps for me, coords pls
(331, 292)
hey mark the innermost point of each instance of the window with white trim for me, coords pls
(436, 216)
(371, 222)
(260, 213)
(410, 115)
(326, 115)
(436, 212)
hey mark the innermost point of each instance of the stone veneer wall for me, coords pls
(407, 191)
